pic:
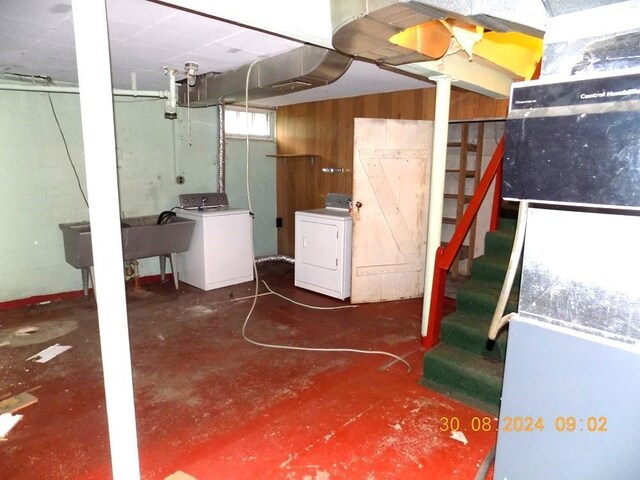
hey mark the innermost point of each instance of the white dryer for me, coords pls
(323, 248)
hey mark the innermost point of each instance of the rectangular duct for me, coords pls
(299, 69)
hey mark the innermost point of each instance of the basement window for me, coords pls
(258, 123)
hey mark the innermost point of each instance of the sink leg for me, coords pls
(174, 268)
(93, 280)
(163, 263)
(85, 280)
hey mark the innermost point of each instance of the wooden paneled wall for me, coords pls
(322, 134)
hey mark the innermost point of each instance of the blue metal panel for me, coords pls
(554, 372)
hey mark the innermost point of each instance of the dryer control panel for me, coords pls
(338, 200)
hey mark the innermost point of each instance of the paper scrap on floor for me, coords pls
(180, 475)
(459, 436)
(7, 422)
(49, 353)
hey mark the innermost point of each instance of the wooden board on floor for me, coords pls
(17, 402)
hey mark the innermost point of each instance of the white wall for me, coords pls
(40, 191)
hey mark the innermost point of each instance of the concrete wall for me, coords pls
(262, 171)
(40, 190)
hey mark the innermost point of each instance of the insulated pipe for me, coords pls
(498, 321)
(98, 134)
(436, 190)
(222, 148)
(60, 89)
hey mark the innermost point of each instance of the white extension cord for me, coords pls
(257, 281)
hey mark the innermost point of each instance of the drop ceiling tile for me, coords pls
(159, 38)
(145, 79)
(51, 59)
(206, 63)
(122, 30)
(225, 54)
(259, 43)
(22, 29)
(137, 54)
(137, 12)
(202, 29)
(44, 13)
(62, 34)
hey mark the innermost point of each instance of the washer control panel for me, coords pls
(203, 200)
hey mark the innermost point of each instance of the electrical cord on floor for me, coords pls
(307, 349)
(304, 304)
(257, 281)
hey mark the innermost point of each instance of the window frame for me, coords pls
(271, 118)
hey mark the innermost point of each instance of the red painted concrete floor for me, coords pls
(216, 407)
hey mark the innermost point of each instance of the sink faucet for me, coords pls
(204, 200)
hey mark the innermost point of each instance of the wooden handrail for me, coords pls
(497, 202)
(446, 255)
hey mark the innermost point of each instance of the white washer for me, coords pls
(323, 250)
(220, 252)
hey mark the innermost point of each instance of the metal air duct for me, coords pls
(299, 69)
(363, 27)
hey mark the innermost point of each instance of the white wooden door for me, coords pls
(391, 166)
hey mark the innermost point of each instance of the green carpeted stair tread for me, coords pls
(469, 332)
(480, 298)
(460, 372)
(465, 365)
(499, 243)
(491, 268)
(509, 223)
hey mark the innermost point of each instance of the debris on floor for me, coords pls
(7, 422)
(36, 332)
(49, 353)
(17, 402)
(179, 475)
(459, 436)
(212, 406)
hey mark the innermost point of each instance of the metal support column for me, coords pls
(96, 107)
(436, 190)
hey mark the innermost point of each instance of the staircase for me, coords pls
(463, 172)
(465, 365)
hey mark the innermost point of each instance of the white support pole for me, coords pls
(98, 132)
(436, 190)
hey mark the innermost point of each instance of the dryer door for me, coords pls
(318, 244)
(320, 255)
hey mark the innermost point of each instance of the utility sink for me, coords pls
(142, 237)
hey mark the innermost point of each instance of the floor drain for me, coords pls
(26, 331)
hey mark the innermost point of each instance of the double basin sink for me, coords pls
(142, 237)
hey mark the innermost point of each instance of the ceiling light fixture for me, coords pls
(190, 69)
